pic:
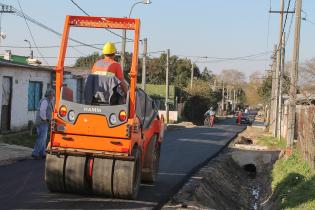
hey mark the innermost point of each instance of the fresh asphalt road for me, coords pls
(22, 184)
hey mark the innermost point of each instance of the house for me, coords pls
(21, 88)
(74, 78)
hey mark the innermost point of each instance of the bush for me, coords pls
(199, 100)
(195, 108)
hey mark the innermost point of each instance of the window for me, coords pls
(34, 95)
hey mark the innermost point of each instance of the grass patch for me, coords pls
(19, 139)
(271, 142)
(293, 183)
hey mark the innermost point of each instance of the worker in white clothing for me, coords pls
(43, 117)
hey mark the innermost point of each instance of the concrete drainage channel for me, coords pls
(239, 178)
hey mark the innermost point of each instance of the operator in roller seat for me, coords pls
(107, 66)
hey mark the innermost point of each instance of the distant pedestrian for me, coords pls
(43, 117)
(210, 114)
(239, 117)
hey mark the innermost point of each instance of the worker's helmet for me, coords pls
(109, 48)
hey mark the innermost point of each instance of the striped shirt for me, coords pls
(108, 67)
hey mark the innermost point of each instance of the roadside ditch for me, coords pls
(238, 178)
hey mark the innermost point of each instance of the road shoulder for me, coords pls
(12, 153)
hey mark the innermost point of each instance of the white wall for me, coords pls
(173, 115)
(20, 82)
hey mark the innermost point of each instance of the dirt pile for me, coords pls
(222, 184)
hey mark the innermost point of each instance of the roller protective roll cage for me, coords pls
(100, 22)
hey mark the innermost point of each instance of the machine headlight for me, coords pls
(71, 115)
(113, 119)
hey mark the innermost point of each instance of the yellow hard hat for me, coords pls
(109, 48)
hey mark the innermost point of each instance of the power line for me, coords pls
(31, 34)
(308, 21)
(228, 58)
(286, 16)
(289, 32)
(220, 61)
(78, 51)
(305, 18)
(250, 58)
(80, 8)
(25, 16)
(54, 46)
(285, 22)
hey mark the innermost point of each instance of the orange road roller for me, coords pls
(108, 143)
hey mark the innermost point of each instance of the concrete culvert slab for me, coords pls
(250, 169)
(259, 158)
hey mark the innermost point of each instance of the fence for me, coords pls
(305, 119)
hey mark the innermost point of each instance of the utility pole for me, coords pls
(276, 104)
(227, 92)
(192, 75)
(294, 77)
(144, 63)
(234, 100)
(273, 75)
(222, 102)
(281, 74)
(123, 49)
(167, 85)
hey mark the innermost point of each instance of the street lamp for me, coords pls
(123, 43)
(30, 46)
(140, 2)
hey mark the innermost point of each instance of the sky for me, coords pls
(223, 29)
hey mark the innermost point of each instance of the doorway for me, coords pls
(6, 104)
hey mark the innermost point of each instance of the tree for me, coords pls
(232, 77)
(208, 76)
(264, 90)
(156, 70)
(307, 76)
(179, 74)
(180, 71)
(201, 98)
(87, 61)
(251, 89)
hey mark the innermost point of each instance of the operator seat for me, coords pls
(102, 90)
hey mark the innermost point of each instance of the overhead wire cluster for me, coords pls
(80, 8)
(206, 59)
(27, 18)
(212, 59)
(306, 19)
(31, 34)
(285, 22)
(56, 46)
